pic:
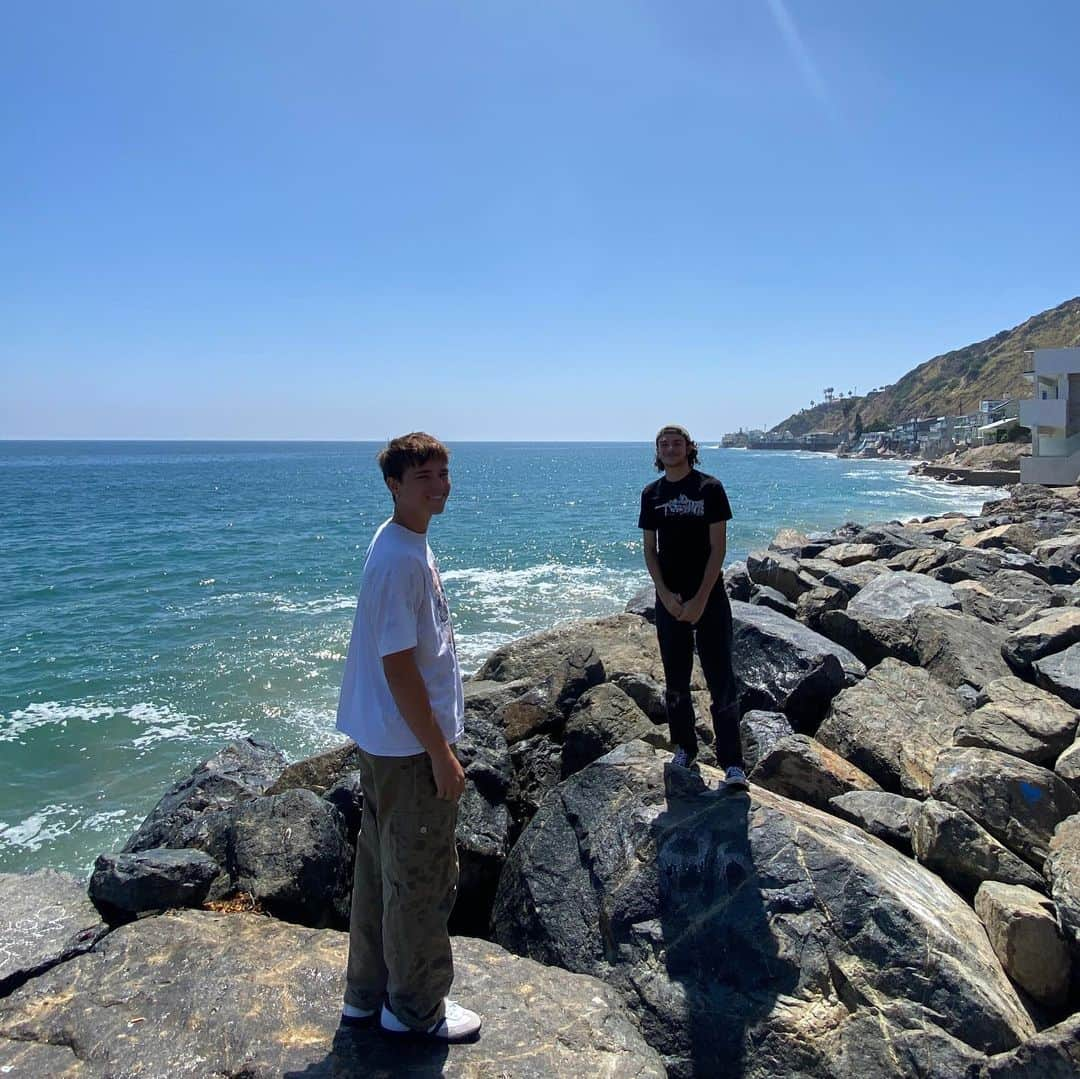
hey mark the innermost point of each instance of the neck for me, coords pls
(414, 522)
(676, 474)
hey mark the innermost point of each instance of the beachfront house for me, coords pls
(1053, 414)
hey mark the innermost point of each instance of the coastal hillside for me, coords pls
(953, 383)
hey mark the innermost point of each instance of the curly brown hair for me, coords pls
(691, 447)
(409, 451)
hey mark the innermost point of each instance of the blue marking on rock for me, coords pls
(1030, 792)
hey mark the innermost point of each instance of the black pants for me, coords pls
(713, 636)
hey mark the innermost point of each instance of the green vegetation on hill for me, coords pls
(951, 384)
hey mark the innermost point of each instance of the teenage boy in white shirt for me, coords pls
(402, 703)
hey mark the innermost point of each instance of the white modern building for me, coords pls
(1053, 414)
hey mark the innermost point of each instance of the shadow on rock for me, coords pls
(364, 1051)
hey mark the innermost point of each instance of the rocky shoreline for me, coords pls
(898, 895)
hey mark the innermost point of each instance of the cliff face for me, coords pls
(954, 382)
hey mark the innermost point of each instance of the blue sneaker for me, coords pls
(682, 759)
(735, 778)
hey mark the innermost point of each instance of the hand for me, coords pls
(449, 776)
(672, 602)
(692, 611)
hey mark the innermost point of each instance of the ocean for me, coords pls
(159, 599)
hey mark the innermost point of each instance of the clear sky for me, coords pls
(516, 220)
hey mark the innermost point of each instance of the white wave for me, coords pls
(50, 713)
(42, 827)
(322, 605)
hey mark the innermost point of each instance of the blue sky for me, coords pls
(516, 220)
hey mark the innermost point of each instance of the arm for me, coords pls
(671, 601)
(411, 697)
(695, 607)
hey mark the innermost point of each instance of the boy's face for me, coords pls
(671, 449)
(424, 488)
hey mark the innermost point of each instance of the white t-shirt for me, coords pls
(402, 605)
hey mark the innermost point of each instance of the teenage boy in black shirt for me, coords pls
(684, 517)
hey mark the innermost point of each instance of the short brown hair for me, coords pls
(410, 451)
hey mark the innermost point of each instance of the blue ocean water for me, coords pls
(157, 599)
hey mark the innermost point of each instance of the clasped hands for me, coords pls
(690, 611)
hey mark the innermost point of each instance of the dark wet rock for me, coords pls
(813, 605)
(1020, 719)
(1023, 929)
(124, 885)
(1060, 674)
(893, 724)
(643, 603)
(802, 768)
(1054, 633)
(483, 841)
(1017, 802)
(537, 768)
(1009, 613)
(1053, 1053)
(242, 770)
(347, 797)
(819, 945)
(196, 993)
(764, 596)
(1068, 766)
(780, 572)
(485, 758)
(818, 567)
(782, 666)
(737, 583)
(533, 712)
(320, 772)
(646, 693)
(887, 816)
(46, 918)
(484, 697)
(850, 554)
(968, 564)
(962, 852)
(604, 718)
(1063, 562)
(891, 540)
(1063, 877)
(852, 579)
(956, 648)
(760, 731)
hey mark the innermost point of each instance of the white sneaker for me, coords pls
(458, 1025)
(354, 1017)
(736, 777)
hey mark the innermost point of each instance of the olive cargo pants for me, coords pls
(404, 887)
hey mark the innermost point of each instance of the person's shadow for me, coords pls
(716, 946)
(363, 1052)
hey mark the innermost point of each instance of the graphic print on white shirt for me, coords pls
(683, 507)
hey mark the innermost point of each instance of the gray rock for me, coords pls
(780, 918)
(1053, 1053)
(895, 596)
(850, 554)
(482, 838)
(965, 564)
(1063, 876)
(643, 603)
(979, 602)
(894, 539)
(1017, 802)
(196, 993)
(537, 769)
(347, 797)
(802, 768)
(851, 579)
(123, 885)
(782, 666)
(962, 852)
(1023, 930)
(485, 697)
(818, 567)
(1064, 562)
(240, 771)
(485, 758)
(887, 816)
(956, 648)
(1068, 766)
(320, 772)
(45, 919)
(893, 725)
(917, 561)
(604, 718)
(813, 605)
(1020, 719)
(1018, 536)
(737, 583)
(763, 596)
(1042, 638)
(760, 731)
(1060, 674)
(781, 572)
(646, 693)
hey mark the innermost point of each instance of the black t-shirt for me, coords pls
(680, 514)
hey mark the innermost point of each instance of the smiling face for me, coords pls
(422, 490)
(672, 450)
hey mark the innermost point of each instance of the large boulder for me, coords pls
(1041, 638)
(823, 949)
(320, 772)
(782, 666)
(1063, 876)
(1053, 1053)
(849, 554)
(1017, 802)
(737, 583)
(484, 697)
(604, 718)
(1060, 674)
(889, 817)
(763, 596)
(772, 569)
(45, 919)
(1024, 933)
(242, 770)
(892, 539)
(1005, 596)
(1018, 536)
(200, 994)
(759, 731)
(1020, 719)
(962, 852)
(893, 724)
(123, 885)
(851, 579)
(802, 768)
(1068, 766)
(956, 648)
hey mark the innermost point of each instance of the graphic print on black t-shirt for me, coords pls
(680, 514)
